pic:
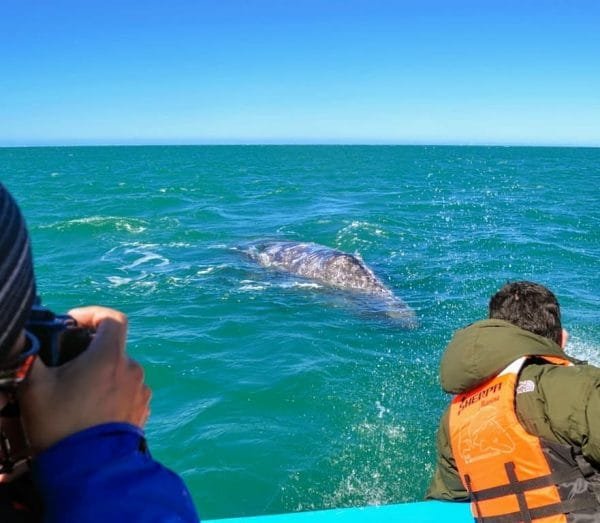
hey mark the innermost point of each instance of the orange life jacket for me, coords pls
(511, 475)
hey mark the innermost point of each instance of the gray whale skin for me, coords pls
(333, 268)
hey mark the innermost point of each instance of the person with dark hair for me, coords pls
(72, 448)
(531, 307)
(521, 437)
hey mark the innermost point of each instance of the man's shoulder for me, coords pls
(552, 399)
(549, 372)
(563, 381)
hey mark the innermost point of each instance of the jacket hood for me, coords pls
(483, 349)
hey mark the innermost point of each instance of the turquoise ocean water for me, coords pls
(271, 394)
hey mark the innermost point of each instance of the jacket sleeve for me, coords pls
(591, 439)
(565, 406)
(106, 474)
(446, 483)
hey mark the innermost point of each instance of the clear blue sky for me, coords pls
(300, 71)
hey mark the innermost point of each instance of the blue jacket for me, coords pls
(106, 474)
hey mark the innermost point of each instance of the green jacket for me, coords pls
(564, 405)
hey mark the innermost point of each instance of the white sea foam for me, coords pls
(300, 285)
(146, 285)
(252, 286)
(381, 410)
(117, 281)
(141, 283)
(211, 268)
(583, 350)
(389, 431)
(359, 232)
(132, 225)
(146, 255)
(145, 258)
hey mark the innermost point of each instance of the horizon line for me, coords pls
(284, 143)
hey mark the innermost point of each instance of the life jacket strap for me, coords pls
(519, 491)
(518, 488)
(564, 507)
(474, 497)
(508, 489)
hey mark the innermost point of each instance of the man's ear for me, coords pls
(564, 338)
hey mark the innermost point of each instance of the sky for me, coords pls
(505, 72)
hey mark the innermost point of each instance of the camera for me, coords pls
(61, 339)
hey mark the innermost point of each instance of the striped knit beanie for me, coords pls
(17, 282)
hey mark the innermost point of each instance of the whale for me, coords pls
(332, 268)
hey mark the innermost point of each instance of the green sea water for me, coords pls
(272, 394)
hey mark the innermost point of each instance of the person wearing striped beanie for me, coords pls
(17, 281)
(67, 427)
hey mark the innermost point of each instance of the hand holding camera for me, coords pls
(100, 385)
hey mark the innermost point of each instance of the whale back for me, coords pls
(333, 268)
(320, 263)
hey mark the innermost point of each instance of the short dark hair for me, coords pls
(530, 306)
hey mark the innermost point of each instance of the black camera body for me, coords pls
(61, 339)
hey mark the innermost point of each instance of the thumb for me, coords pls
(110, 327)
(108, 343)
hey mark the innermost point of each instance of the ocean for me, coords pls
(271, 393)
